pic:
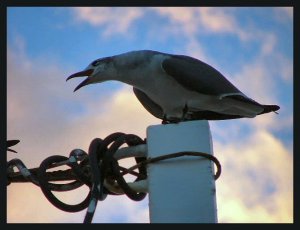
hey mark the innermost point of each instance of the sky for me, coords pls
(251, 46)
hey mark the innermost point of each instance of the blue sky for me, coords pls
(251, 46)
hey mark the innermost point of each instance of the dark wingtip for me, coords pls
(10, 143)
(270, 108)
(276, 107)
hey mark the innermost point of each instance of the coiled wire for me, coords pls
(91, 169)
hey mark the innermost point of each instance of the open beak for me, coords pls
(84, 73)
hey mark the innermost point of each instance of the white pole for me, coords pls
(181, 190)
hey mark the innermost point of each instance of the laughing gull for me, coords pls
(174, 88)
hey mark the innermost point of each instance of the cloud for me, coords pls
(257, 181)
(268, 44)
(183, 17)
(114, 209)
(40, 113)
(109, 17)
(187, 23)
(284, 14)
(289, 11)
(184, 22)
(241, 198)
(206, 19)
(220, 20)
(284, 67)
(264, 72)
(255, 76)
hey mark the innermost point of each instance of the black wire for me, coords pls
(96, 190)
(97, 152)
(22, 169)
(96, 166)
(78, 168)
(44, 185)
(180, 154)
(131, 140)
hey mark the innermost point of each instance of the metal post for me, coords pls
(181, 190)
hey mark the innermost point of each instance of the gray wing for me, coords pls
(198, 76)
(148, 104)
(156, 110)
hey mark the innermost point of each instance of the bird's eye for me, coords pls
(101, 60)
(95, 63)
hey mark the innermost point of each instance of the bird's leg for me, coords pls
(165, 120)
(184, 112)
(170, 120)
(175, 120)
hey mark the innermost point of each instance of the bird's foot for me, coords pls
(184, 113)
(175, 120)
(165, 120)
(170, 120)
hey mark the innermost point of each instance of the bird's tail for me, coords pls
(270, 108)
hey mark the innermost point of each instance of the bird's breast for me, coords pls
(165, 91)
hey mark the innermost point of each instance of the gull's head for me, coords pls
(98, 71)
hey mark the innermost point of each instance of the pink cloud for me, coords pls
(38, 113)
(108, 17)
